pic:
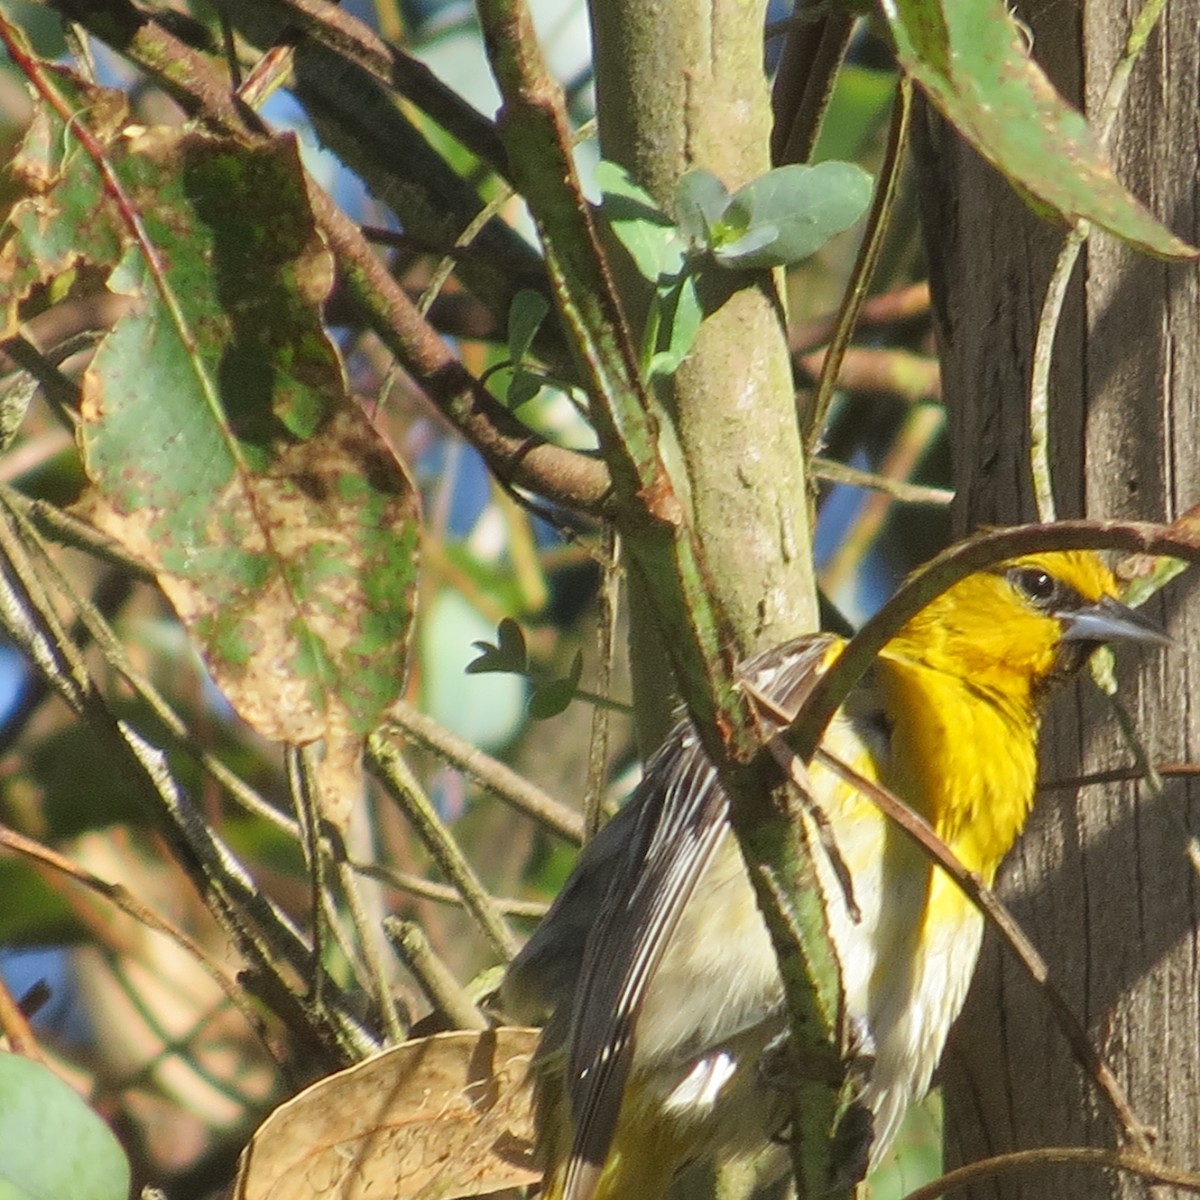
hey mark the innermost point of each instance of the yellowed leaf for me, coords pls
(443, 1116)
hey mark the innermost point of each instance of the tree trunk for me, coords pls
(1102, 880)
(679, 84)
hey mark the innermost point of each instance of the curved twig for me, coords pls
(1146, 1168)
(1064, 266)
(983, 550)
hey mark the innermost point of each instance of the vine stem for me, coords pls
(1064, 267)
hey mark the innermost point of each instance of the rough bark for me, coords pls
(1101, 880)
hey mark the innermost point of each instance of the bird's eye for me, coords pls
(1038, 586)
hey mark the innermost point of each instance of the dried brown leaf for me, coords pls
(443, 1116)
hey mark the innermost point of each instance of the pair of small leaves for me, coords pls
(510, 656)
(781, 218)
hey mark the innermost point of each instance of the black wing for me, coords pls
(663, 842)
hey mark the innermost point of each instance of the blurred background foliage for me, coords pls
(130, 1015)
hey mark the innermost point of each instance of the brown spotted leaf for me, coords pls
(443, 1116)
(59, 225)
(216, 425)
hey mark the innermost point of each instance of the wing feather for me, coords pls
(678, 820)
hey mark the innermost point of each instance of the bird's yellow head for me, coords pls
(1014, 628)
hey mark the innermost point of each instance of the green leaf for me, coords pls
(215, 421)
(486, 709)
(51, 1144)
(858, 108)
(549, 699)
(788, 214)
(522, 388)
(742, 251)
(680, 314)
(639, 224)
(972, 61)
(508, 655)
(58, 225)
(700, 202)
(16, 391)
(525, 317)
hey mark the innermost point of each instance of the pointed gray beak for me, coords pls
(1110, 621)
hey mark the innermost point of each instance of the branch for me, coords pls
(358, 44)
(984, 550)
(915, 827)
(120, 897)
(516, 454)
(1145, 1168)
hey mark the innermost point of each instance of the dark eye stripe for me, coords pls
(1043, 591)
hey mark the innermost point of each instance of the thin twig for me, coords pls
(503, 782)
(308, 819)
(607, 600)
(953, 564)
(357, 43)
(1120, 775)
(375, 975)
(910, 445)
(1064, 266)
(808, 68)
(1148, 1169)
(14, 1025)
(898, 489)
(475, 227)
(437, 981)
(403, 881)
(393, 772)
(921, 832)
(888, 370)
(25, 513)
(261, 931)
(864, 264)
(69, 530)
(902, 304)
(472, 761)
(516, 454)
(120, 896)
(273, 70)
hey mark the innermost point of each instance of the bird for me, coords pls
(653, 967)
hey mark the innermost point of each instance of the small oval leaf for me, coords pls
(51, 1144)
(507, 656)
(525, 317)
(700, 202)
(549, 699)
(680, 314)
(788, 214)
(639, 224)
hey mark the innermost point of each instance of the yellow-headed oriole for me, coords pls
(654, 961)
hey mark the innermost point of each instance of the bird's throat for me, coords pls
(964, 757)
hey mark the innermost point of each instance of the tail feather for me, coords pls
(647, 1153)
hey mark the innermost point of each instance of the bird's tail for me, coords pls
(642, 1171)
(646, 1153)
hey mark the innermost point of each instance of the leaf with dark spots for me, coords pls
(220, 439)
(64, 220)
